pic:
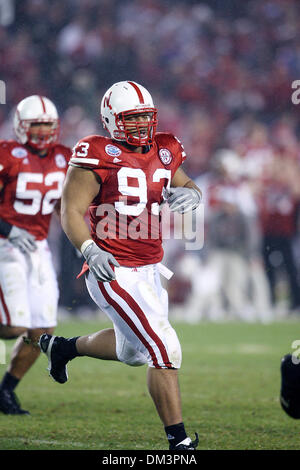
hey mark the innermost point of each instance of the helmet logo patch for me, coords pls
(19, 152)
(107, 101)
(165, 156)
(112, 150)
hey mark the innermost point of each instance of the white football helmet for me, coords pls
(129, 98)
(36, 109)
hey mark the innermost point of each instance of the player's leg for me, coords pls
(138, 340)
(14, 315)
(59, 350)
(11, 332)
(25, 353)
(14, 305)
(100, 345)
(163, 387)
(39, 288)
(151, 338)
(163, 384)
(23, 356)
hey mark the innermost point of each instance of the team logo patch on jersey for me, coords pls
(165, 156)
(112, 150)
(60, 161)
(19, 152)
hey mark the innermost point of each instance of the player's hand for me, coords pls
(182, 199)
(22, 239)
(99, 263)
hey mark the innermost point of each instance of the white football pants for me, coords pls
(28, 287)
(137, 304)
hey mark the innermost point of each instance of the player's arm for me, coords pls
(182, 179)
(184, 193)
(80, 189)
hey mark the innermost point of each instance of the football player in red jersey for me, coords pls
(32, 171)
(122, 180)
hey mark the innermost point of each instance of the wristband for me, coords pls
(86, 244)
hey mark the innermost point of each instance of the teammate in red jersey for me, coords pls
(123, 180)
(32, 171)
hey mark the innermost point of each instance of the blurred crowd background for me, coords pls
(221, 74)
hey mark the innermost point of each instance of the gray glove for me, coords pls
(182, 199)
(98, 261)
(22, 239)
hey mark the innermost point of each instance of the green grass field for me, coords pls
(229, 384)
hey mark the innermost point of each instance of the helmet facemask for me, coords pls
(137, 132)
(119, 106)
(43, 139)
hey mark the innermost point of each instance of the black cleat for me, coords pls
(9, 403)
(187, 444)
(290, 386)
(53, 347)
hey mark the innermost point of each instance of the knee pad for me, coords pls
(135, 360)
(127, 353)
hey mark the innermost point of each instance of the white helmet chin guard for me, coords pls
(125, 99)
(36, 109)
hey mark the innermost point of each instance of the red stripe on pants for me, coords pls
(141, 316)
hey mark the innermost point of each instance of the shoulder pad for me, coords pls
(13, 149)
(164, 138)
(87, 151)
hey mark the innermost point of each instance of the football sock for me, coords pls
(175, 433)
(9, 382)
(70, 350)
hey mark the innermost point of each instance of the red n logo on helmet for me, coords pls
(107, 100)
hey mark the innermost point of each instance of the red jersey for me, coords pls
(278, 210)
(124, 216)
(31, 185)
